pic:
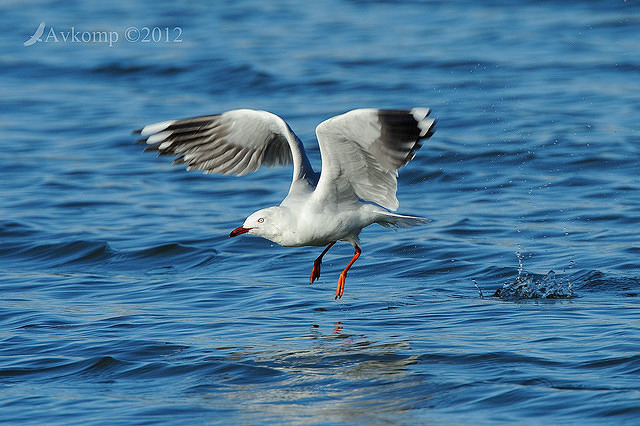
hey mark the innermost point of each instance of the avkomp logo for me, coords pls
(132, 35)
(41, 35)
(37, 36)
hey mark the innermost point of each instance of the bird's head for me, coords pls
(266, 223)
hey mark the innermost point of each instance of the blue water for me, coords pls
(123, 299)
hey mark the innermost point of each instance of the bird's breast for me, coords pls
(319, 227)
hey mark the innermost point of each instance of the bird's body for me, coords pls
(361, 152)
(303, 217)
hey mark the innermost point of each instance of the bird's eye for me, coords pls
(261, 220)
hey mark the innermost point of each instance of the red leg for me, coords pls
(343, 274)
(315, 272)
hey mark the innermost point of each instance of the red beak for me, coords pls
(239, 231)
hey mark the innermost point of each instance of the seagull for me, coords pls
(361, 151)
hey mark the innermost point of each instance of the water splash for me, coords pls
(535, 286)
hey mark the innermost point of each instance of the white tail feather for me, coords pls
(393, 220)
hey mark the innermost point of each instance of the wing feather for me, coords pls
(363, 149)
(235, 142)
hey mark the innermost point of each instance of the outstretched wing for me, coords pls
(363, 149)
(235, 142)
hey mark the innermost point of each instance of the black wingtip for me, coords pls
(431, 131)
(136, 132)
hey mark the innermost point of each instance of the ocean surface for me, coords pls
(124, 301)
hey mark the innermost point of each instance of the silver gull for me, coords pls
(361, 152)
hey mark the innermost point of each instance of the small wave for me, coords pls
(56, 367)
(118, 69)
(168, 249)
(596, 281)
(102, 366)
(28, 248)
(64, 253)
(169, 255)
